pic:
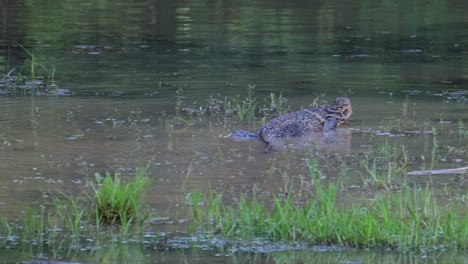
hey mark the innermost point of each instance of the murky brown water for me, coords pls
(128, 65)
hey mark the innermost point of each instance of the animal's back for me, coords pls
(306, 121)
(292, 124)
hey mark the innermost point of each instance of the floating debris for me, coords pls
(461, 170)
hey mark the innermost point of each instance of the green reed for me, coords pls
(383, 166)
(435, 147)
(70, 213)
(246, 108)
(34, 224)
(462, 129)
(35, 73)
(408, 108)
(33, 62)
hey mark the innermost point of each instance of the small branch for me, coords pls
(462, 170)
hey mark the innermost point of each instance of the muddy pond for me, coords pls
(157, 82)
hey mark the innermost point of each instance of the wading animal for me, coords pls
(301, 123)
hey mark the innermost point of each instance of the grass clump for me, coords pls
(406, 219)
(67, 219)
(117, 202)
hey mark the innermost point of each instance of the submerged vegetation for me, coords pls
(35, 77)
(236, 108)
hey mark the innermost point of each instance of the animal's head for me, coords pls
(343, 105)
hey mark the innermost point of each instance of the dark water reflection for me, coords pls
(129, 64)
(296, 47)
(138, 254)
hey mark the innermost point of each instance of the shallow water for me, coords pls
(132, 68)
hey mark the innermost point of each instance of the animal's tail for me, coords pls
(242, 134)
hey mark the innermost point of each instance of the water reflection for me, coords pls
(337, 140)
(133, 253)
(330, 46)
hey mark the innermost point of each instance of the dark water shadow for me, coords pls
(337, 140)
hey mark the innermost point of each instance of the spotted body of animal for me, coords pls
(303, 122)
